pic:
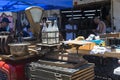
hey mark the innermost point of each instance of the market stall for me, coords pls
(59, 60)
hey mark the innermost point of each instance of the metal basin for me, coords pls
(19, 49)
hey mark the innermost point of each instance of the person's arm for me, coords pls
(101, 27)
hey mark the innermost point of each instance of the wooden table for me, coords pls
(77, 44)
(87, 52)
(16, 60)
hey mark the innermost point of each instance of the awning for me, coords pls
(18, 5)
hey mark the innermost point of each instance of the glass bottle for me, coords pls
(44, 33)
(49, 32)
(56, 30)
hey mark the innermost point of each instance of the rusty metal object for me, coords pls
(19, 49)
(4, 41)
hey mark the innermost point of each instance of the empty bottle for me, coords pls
(49, 31)
(44, 34)
(56, 30)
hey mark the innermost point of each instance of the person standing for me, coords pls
(27, 32)
(70, 29)
(5, 25)
(101, 26)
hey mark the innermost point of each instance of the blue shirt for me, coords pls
(70, 35)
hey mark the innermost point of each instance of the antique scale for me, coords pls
(34, 15)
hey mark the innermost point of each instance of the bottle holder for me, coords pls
(50, 37)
